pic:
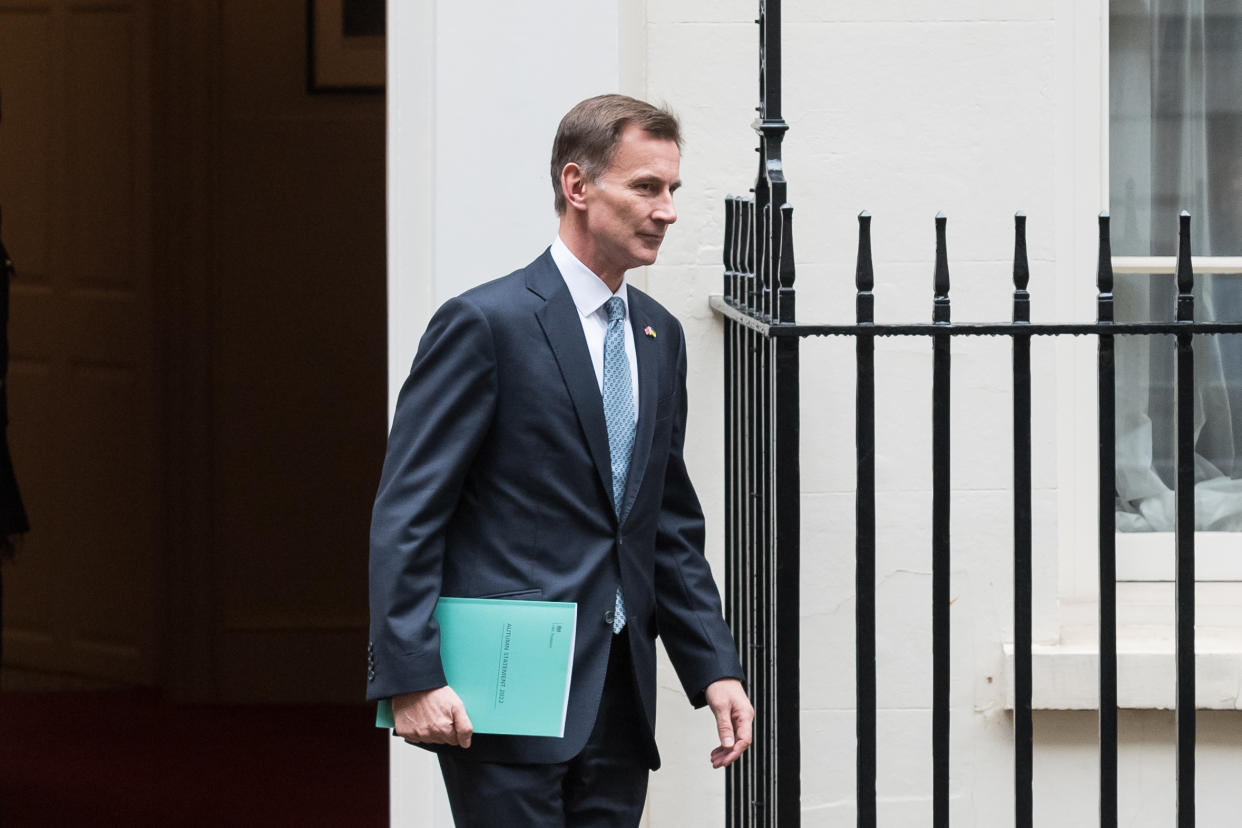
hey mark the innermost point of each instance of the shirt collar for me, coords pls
(587, 290)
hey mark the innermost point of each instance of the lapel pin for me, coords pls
(650, 331)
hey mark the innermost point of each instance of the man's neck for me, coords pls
(581, 245)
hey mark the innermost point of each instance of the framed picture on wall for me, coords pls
(345, 45)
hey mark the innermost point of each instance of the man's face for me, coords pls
(631, 205)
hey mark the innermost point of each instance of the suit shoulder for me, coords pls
(649, 304)
(510, 290)
(653, 310)
(496, 290)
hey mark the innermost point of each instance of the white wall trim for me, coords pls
(415, 792)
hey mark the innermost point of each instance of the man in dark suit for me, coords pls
(536, 452)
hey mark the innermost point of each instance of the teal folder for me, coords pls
(509, 661)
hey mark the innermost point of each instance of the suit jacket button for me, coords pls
(608, 616)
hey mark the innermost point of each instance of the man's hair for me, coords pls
(589, 134)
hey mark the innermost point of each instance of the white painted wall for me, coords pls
(903, 108)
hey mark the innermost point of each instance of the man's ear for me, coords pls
(573, 186)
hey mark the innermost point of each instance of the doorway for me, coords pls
(197, 379)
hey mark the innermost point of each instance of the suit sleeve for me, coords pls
(688, 610)
(443, 414)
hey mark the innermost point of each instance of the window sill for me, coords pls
(1149, 556)
(1065, 676)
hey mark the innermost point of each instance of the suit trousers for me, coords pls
(604, 786)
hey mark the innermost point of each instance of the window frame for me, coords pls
(1084, 142)
(1148, 556)
(1083, 183)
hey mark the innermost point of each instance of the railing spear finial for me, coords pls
(1021, 270)
(864, 271)
(1185, 273)
(940, 307)
(785, 267)
(1104, 272)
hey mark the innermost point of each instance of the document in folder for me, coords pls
(509, 661)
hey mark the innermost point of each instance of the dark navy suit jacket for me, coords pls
(496, 483)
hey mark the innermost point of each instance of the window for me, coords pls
(1175, 142)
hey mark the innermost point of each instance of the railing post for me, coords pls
(1107, 411)
(1185, 533)
(787, 541)
(940, 535)
(732, 562)
(751, 642)
(771, 776)
(864, 543)
(1022, 726)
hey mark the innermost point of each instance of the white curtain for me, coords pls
(1176, 143)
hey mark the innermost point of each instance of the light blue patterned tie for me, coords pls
(618, 416)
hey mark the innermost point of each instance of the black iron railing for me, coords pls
(762, 482)
(762, 491)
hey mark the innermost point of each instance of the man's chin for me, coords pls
(647, 254)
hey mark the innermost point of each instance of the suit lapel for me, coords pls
(558, 316)
(647, 351)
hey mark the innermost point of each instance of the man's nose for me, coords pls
(664, 211)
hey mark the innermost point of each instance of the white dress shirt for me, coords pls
(590, 294)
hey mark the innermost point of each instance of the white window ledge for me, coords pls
(1065, 676)
(1150, 556)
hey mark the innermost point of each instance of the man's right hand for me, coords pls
(436, 716)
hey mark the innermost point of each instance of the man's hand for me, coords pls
(435, 716)
(727, 699)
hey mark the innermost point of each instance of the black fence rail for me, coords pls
(761, 456)
(762, 491)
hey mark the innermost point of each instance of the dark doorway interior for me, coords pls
(196, 398)
(128, 758)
